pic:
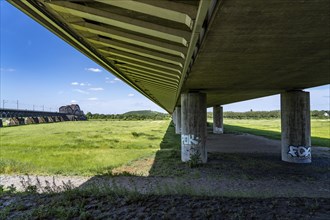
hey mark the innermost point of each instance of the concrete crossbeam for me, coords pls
(193, 128)
(296, 127)
(155, 11)
(139, 26)
(165, 47)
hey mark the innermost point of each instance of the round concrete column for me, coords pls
(217, 119)
(178, 120)
(193, 126)
(296, 127)
(174, 116)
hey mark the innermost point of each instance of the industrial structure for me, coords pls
(187, 55)
(13, 117)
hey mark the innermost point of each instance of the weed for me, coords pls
(195, 159)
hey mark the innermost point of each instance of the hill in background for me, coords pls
(143, 112)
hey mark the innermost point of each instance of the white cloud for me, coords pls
(110, 82)
(80, 91)
(73, 101)
(131, 94)
(95, 70)
(96, 89)
(93, 99)
(82, 84)
(74, 83)
(107, 78)
(116, 79)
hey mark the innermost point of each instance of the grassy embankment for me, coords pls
(96, 147)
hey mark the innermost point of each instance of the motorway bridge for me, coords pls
(187, 55)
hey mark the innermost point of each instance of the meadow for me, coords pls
(270, 128)
(83, 147)
(97, 147)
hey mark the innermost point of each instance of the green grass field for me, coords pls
(96, 147)
(84, 148)
(271, 128)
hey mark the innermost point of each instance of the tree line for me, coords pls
(152, 115)
(128, 117)
(267, 114)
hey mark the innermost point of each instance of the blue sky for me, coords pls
(42, 71)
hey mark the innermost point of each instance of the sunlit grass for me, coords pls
(84, 148)
(271, 128)
(97, 147)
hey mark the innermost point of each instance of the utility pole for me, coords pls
(17, 104)
(3, 103)
(43, 108)
(33, 107)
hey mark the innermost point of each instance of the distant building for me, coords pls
(73, 112)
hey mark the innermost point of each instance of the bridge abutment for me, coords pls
(193, 131)
(218, 119)
(178, 120)
(296, 128)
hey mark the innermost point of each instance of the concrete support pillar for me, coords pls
(174, 117)
(296, 127)
(1, 125)
(178, 120)
(217, 119)
(193, 130)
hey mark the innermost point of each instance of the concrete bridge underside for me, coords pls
(202, 53)
(232, 50)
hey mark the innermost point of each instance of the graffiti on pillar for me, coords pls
(300, 152)
(190, 139)
(218, 130)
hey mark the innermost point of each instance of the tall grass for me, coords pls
(84, 148)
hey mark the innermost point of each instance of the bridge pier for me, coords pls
(174, 116)
(1, 125)
(35, 120)
(178, 120)
(218, 119)
(193, 131)
(28, 120)
(296, 128)
(41, 120)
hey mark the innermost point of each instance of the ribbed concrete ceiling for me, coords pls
(232, 50)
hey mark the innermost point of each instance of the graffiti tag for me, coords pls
(300, 151)
(218, 130)
(189, 139)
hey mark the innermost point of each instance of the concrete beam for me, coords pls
(155, 11)
(296, 127)
(123, 22)
(130, 57)
(217, 119)
(136, 50)
(188, 9)
(178, 120)
(154, 68)
(145, 71)
(159, 77)
(165, 47)
(193, 130)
